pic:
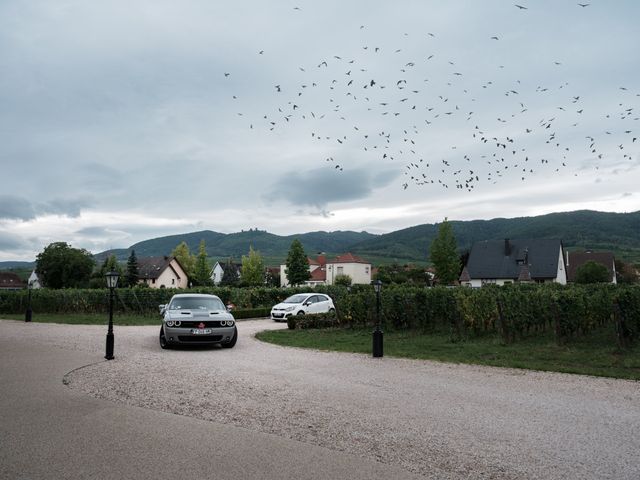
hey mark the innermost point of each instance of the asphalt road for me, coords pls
(49, 431)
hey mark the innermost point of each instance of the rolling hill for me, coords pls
(584, 229)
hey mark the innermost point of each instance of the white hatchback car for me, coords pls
(302, 303)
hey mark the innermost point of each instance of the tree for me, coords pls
(342, 279)
(252, 269)
(297, 270)
(202, 268)
(592, 272)
(625, 273)
(272, 278)
(61, 266)
(444, 255)
(229, 274)
(185, 258)
(131, 276)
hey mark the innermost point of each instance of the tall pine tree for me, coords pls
(297, 265)
(132, 269)
(202, 269)
(230, 276)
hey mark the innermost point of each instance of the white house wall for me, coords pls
(216, 274)
(561, 277)
(359, 272)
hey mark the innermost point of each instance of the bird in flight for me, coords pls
(584, 4)
(521, 7)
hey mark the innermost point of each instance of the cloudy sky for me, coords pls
(122, 121)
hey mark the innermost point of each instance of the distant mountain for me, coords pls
(17, 265)
(584, 229)
(220, 245)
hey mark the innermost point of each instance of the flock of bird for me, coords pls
(403, 105)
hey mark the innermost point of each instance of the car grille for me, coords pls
(277, 315)
(196, 324)
(199, 338)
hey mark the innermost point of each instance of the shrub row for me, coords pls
(316, 320)
(240, 313)
(143, 301)
(512, 311)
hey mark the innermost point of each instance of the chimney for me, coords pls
(507, 247)
(322, 260)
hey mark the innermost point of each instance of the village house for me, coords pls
(219, 269)
(162, 272)
(501, 262)
(11, 281)
(324, 272)
(34, 280)
(576, 259)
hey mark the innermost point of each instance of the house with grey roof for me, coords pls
(500, 262)
(162, 272)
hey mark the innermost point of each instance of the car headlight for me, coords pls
(169, 323)
(226, 323)
(288, 309)
(177, 323)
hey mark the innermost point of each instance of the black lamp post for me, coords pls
(112, 283)
(377, 333)
(29, 313)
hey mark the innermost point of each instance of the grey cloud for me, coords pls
(93, 231)
(9, 241)
(16, 208)
(321, 186)
(13, 207)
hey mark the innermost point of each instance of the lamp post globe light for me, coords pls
(112, 283)
(377, 333)
(29, 313)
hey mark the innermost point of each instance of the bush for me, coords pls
(242, 313)
(315, 320)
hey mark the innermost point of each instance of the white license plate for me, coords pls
(201, 331)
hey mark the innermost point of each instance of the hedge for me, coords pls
(513, 311)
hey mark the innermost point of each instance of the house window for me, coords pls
(366, 269)
(340, 270)
(153, 280)
(173, 281)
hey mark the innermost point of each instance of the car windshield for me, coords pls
(196, 303)
(296, 299)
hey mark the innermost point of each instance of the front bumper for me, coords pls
(186, 336)
(278, 315)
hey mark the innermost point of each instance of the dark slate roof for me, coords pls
(577, 259)
(152, 267)
(489, 259)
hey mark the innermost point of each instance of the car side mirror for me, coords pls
(306, 304)
(162, 309)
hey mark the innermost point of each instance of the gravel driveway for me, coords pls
(439, 420)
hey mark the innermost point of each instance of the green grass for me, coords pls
(595, 354)
(86, 318)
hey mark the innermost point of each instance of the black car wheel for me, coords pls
(301, 312)
(163, 340)
(234, 339)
